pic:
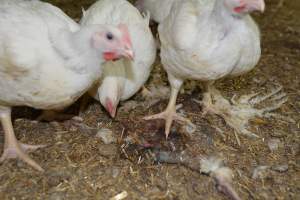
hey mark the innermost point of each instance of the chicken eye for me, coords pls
(109, 36)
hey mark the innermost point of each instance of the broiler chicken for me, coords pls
(123, 78)
(47, 61)
(159, 9)
(207, 40)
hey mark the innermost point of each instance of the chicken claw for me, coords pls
(18, 150)
(12, 147)
(239, 112)
(169, 115)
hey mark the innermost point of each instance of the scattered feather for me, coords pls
(215, 168)
(120, 196)
(259, 172)
(106, 135)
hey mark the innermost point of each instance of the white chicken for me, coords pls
(207, 40)
(159, 9)
(47, 61)
(123, 78)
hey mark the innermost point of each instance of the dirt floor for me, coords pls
(78, 165)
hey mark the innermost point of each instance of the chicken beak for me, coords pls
(111, 108)
(259, 5)
(128, 53)
(126, 40)
(113, 112)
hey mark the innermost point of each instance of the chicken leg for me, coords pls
(170, 113)
(12, 147)
(238, 113)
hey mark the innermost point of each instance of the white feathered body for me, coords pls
(159, 9)
(201, 40)
(32, 71)
(124, 77)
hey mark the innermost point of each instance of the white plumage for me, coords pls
(159, 9)
(47, 61)
(123, 78)
(202, 40)
(207, 40)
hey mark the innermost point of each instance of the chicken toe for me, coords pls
(239, 112)
(169, 115)
(12, 147)
(18, 150)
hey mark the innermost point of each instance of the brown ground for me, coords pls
(79, 166)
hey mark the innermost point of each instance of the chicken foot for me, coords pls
(239, 112)
(170, 113)
(12, 147)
